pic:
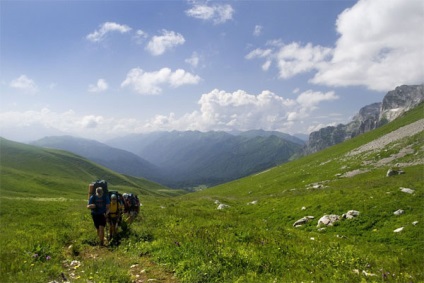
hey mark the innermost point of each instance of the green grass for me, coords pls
(184, 238)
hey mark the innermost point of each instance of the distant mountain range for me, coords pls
(118, 160)
(189, 159)
(185, 159)
(45, 172)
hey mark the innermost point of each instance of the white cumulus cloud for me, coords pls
(381, 46)
(310, 99)
(25, 84)
(292, 59)
(151, 82)
(239, 110)
(159, 44)
(100, 86)
(105, 28)
(217, 110)
(218, 13)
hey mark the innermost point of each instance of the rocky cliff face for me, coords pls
(394, 104)
(401, 99)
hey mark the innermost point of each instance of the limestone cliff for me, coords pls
(394, 104)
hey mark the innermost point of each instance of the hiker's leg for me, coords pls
(101, 234)
(110, 229)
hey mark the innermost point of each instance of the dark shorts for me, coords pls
(99, 220)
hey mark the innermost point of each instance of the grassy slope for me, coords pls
(42, 212)
(39, 172)
(257, 243)
(192, 240)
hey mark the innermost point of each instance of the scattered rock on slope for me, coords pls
(328, 220)
(302, 221)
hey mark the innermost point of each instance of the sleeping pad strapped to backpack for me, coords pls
(94, 185)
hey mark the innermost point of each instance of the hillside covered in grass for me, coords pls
(252, 237)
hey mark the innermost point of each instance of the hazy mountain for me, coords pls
(194, 158)
(263, 133)
(62, 173)
(116, 159)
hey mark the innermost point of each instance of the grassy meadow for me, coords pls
(47, 233)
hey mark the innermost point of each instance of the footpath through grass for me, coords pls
(46, 240)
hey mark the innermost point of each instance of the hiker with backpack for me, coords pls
(115, 210)
(99, 204)
(132, 206)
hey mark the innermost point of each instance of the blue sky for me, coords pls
(101, 69)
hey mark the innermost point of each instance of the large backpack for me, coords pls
(94, 185)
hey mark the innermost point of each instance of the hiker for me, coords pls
(99, 204)
(114, 215)
(132, 206)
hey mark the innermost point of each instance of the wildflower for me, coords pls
(35, 255)
(48, 257)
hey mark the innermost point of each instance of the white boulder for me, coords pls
(328, 220)
(222, 206)
(399, 212)
(398, 230)
(407, 190)
(302, 221)
(351, 214)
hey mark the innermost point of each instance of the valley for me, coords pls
(184, 237)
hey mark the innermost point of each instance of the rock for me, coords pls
(367, 274)
(351, 214)
(394, 172)
(303, 208)
(222, 206)
(407, 190)
(398, 230)
(415, 223)
(399, 212)
(400, 100)
(328, 220)
(302, 221)
(252, 202)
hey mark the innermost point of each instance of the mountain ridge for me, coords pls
(48, 170)
(369, 117)
(186, 159)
